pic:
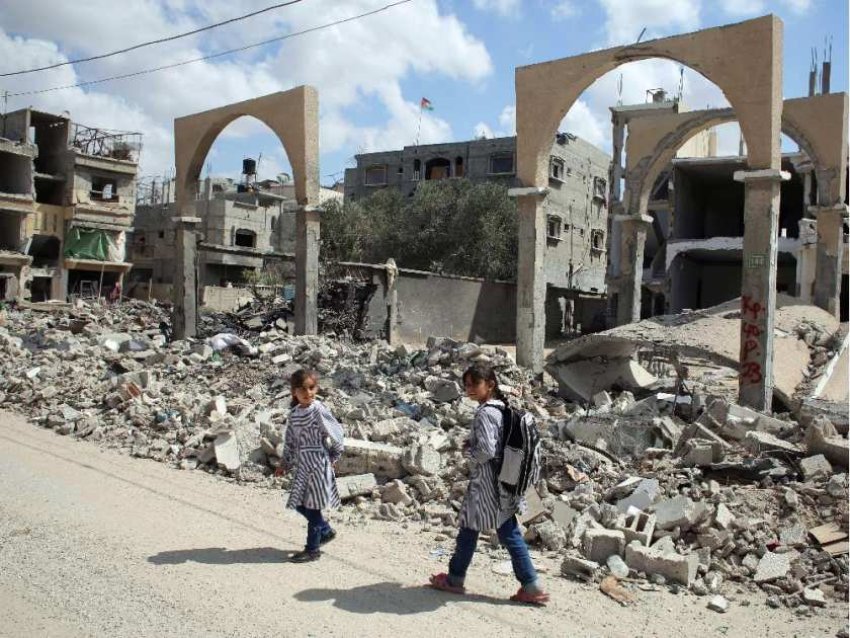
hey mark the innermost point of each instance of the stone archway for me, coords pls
(815, 123)
(744, 61)
(294, 117)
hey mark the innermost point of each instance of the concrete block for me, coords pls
(814, 597)
(757, 442)
(599, 544)
(822, 438)
(700, 453)
(579, 567)
(227, 451)
(367, 457)
(771, 567)
(718, 604)
(551, 535)
(815, 468)
(421, 460)
(676, 512)
(602, 399)
(563, 514)
(675, 568)
(638, 526)
(395, 492)
(723, 517)
(643, 496)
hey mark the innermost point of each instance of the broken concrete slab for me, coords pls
(358, 485)
(421, 460)
(758, 442)
(771, 567)
(368, 457)
(643, 496)
(227, 451)
(675, 512)
(815, 468)
(578, 567)
(719, 604)
(581, 380)
(822, 438)
(723, 517)
(395, 492)
(674, 567)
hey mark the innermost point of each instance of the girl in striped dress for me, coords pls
(313, 443)
(486, 505)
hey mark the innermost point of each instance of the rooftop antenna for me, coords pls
(681, 90)
(813, 72)
(827, 65)
(640, 36)
(620, 90)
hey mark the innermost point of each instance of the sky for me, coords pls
(372, 72)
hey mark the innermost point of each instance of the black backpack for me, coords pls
(519, 467)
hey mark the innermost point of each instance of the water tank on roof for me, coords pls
(249, 166)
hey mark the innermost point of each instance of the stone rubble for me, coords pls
(716, 498)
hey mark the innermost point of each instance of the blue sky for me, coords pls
(461, 54)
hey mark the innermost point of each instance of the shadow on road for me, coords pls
(221, 556)
(390, 598)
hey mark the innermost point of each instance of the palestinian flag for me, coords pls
(425, 104)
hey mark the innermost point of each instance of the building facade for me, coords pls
(67, 201)
(576, 204)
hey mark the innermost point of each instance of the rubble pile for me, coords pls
(670, 488)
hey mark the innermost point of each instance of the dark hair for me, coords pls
(297, 379)
(484, 372)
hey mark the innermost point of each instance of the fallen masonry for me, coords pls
(683, 490)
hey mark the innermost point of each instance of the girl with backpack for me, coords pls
(486, 504)
(313, 443)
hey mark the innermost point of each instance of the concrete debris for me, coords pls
(679, 488)
(718, 604)
(611, 587)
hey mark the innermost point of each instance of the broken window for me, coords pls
(557, 169)
(245, 238)
(599, 186)
(597, 240)
(458, 167)
(553, 227)
(376, 176)
(104, 189)
(438, 168)
(15, 174)
(501, 163)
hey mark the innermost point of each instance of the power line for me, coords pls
(214, 55)
(152, 42)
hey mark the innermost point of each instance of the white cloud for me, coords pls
(742, 7)
(564, 9)
(582, 121)
(482, 130)
(798, 6)
(625, 20)
(501, 7)
(355, 66)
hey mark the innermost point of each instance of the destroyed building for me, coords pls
(67, 199)
(693, 251)
(242, 222)
(576, 207)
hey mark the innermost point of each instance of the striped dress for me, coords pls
(486, 506)
(314, 483)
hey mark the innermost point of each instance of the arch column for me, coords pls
(307, 235)
(633, 229)
(830, 252)
(531, 277)
(185, 313)
(758, 285)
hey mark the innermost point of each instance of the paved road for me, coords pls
(93, 543)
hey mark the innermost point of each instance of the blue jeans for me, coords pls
(317, 527)
(511, 539)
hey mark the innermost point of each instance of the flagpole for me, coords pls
(419, 125)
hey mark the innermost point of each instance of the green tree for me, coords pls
(453, 226)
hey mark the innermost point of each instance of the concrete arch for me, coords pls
(292, 116)
(745, 61)
(750, 79)
(653, 143)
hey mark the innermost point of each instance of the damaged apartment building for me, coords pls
(242, 223)
(694, 244)
(67, 196)
(576, 209)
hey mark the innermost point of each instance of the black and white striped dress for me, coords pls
(314, 483)
(486, 506)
